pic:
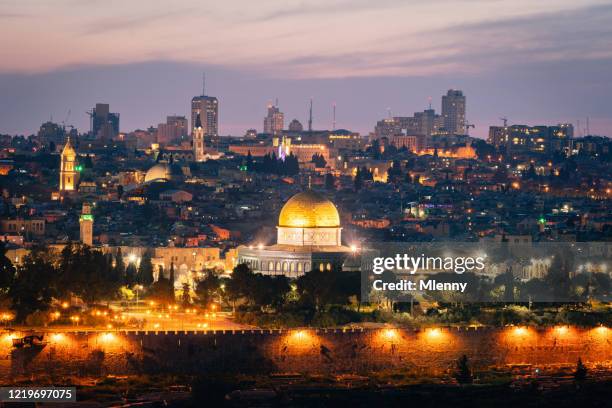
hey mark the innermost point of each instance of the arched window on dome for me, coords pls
(285, 267)
(270, 266)
(292, 267)
(328, 266)
(278, 267)
(307, 267)
(300, 266)
(321, 267)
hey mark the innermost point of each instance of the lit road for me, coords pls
(148, 319)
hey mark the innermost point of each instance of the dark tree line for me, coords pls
(274, 165)
(77, 270)
(314, 290)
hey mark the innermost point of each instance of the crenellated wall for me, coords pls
(430, 351)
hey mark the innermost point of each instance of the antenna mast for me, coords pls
(334, 117)
(203, 83)
(310, 117)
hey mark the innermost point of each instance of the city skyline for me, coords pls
(533, 63)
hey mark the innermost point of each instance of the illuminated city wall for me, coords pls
(425, 351)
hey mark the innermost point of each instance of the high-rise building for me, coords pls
(104, 124)
(174, 128)
(68, 171)
(453, 111)
(208, 108)
(86, 225)
(274, 122)
(198, 140)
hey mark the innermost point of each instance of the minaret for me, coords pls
(86, 224)
(68, 174)
(198, 140)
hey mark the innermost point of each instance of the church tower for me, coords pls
(198, 140)
(68, 173)
(86, 224)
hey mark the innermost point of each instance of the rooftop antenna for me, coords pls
(429, 98)
(203, 83)
(334, 117)
(276, 102)
(310, 117)
(389, 112)
(505, 120)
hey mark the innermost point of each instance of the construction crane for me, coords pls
(64, 125)
(468, 125)
(505, 120)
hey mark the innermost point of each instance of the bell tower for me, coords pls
(198, 140)
(68, 173)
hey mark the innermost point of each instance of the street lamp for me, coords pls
(137, 288)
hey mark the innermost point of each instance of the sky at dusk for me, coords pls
(535, 62)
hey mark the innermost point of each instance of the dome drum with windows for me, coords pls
(308, 218)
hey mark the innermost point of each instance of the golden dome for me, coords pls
(309, 210)
(159, 172)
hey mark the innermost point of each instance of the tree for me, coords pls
(394, 173)
(130, 275)
(161, 289)
(249, 162)
(318, 160)
(330, 183)
(145, 269)
(7, 270)
(316, 288)
(172, 277)
(463, 375)
(119, 271)
(374, 149)
(240, 283)
(34, 286)
(358, 181)
(85, 273)
(581, 371)
(185, 296)
(207, 288)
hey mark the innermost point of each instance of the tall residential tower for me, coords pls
(274, 122)
(453, 111)
(208, 109)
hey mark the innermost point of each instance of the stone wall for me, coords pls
(427, 351)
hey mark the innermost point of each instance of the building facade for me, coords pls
(274, 122)
(104, 124)
(453, 111)
(208, 109)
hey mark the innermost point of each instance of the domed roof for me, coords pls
(159, 172)
(309, 210)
